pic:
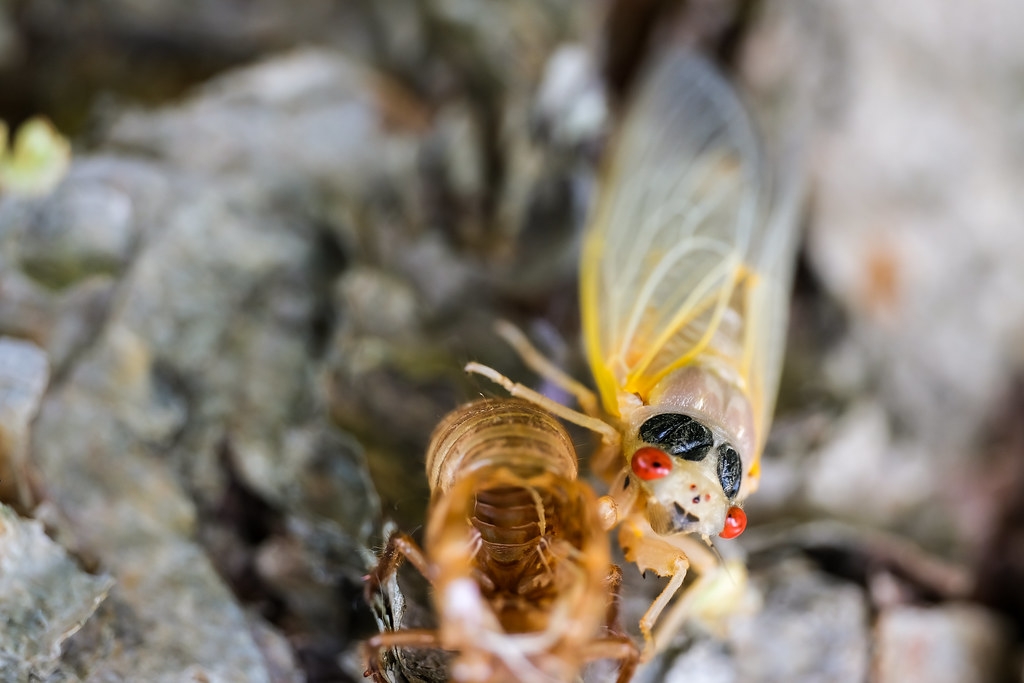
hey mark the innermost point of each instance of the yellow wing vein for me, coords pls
(653, 225)
(699, 212)
(687, 312)
(673, 257)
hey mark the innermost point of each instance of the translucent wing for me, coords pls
(682, 263)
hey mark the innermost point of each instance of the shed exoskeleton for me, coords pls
(519, 563)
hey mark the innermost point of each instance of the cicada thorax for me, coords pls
(688, 448)
(508, 513)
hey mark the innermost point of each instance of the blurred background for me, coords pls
(231, 316)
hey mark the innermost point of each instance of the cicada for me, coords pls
(524, 587)
(684, 281)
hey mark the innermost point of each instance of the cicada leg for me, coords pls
(621, 648)
(618, 645)
(609, 435)
(539, 363)
(712, 597)
(614, 584)
(679, 568)
(400, 547)
(671, 556)
(423, 638)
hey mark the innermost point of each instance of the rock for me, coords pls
(811, 629)
(172, 616)
(523, 34)
(704, 661)
(571, 107)
(948, 643)
(842, 474)
(159, 413)
(321, 483)
(916, 208)
(86, 228)
(27, 310)
(196, 373)
(44, 597)
(277, 653)
(311, 114)
(74, 256)
(24, 373)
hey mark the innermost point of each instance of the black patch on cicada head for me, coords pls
(730, 470)
(681, 518)
(678, 435)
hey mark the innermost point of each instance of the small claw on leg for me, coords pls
(649, 647)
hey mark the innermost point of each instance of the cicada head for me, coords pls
(690, 476)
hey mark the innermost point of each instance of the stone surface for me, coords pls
(917, 213)
(944, 644)
(85, 228)
(705, 661)
(44, 599)
(907, 322)
(24, 373)
(811, 629)
(197, 383)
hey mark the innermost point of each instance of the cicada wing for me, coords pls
(680, 263)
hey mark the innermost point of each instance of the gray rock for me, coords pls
(200, 377)
(811, 629)
(74, 256)
(85, 228)
(309, 115)
(124, 508)
(24, 373)
(926, 238)
(320, 481)
(847, 464)
(704, 661)
(948, 643)
(277, 653)
(44, 599)
(571, 106)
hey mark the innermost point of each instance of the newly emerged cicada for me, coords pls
(685, 278)
(520, 566)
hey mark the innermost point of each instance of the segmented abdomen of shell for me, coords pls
(505, 432)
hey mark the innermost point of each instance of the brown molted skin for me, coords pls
(504, 471)
(521, 569)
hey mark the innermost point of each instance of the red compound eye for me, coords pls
(735, 523)
(650, 463)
